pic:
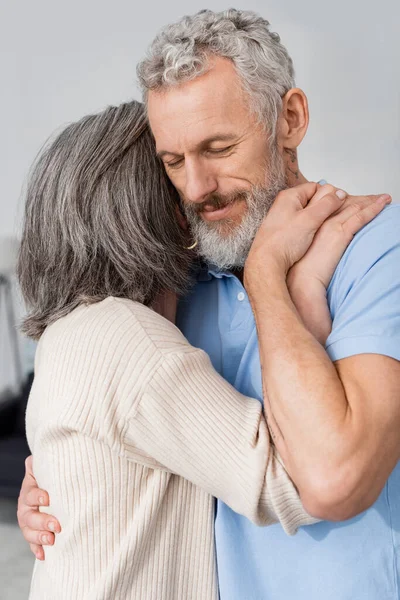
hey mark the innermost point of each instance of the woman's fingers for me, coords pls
(358, 219)
(39, 522)
(37, 528)
(322, 190)
(317, 212)
(36, 497)
(31, 495)
(40, 537)
(355, 212)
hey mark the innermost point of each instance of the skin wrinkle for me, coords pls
(293, 166)
(183, 120)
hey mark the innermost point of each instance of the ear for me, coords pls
(293, 121)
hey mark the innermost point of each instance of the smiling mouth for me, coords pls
(209, 213)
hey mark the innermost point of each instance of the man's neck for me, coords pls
(293, 173)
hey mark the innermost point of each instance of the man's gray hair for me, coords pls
(181, 52)
(99, 220)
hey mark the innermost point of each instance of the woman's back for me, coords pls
(131, 528)
(121, 405)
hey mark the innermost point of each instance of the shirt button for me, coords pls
(241, 296)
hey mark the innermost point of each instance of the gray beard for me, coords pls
(230, 249)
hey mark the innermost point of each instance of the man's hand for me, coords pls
(37, 528)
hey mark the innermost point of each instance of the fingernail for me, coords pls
(41, 500)
(52, 526)
(341, 194)
(384, 199)
(322, 182)
(44, 539)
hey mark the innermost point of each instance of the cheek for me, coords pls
(244, 169)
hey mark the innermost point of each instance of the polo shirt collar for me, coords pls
(205, 272)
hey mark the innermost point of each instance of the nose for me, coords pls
(200, 182)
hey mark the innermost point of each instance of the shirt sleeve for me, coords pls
(364, 294)
(196, 425)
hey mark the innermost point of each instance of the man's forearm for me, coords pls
(305, 394)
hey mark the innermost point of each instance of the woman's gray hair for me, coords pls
(99, 220)
(181, 52)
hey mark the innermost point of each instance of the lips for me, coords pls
(209, 213)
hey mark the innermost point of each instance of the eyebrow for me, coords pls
(217, 137)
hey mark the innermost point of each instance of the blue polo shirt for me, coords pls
(358, 559)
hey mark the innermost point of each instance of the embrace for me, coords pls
(215, 411)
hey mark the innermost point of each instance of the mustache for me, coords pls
(217, 201)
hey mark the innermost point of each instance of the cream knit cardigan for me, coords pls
(133, 433)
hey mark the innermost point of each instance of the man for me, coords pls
(227, 120)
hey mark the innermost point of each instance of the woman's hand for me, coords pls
(301, 241)
(37, 528)
(309, 278)
(288, 230)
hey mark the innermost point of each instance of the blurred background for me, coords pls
(62, 60)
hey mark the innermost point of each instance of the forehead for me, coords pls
(183, 115)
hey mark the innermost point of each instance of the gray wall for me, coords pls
(62, 60)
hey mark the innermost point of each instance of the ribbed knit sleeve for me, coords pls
(194, 423)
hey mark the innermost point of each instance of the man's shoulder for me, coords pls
(378, 236)
(376, 242)
(364, 294)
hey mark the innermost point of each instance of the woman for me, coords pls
(128, 460)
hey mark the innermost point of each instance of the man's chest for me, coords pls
(217, 318)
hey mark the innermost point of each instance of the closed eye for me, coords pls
(219, 150)
(174, 164)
